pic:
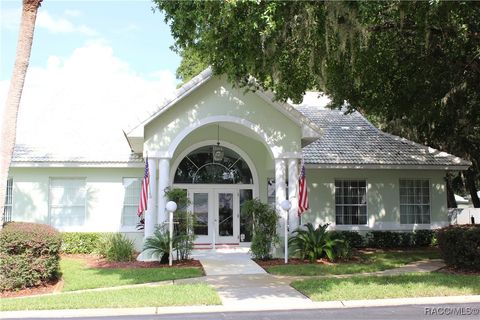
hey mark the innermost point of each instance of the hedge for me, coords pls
(353, 238)
(80, 242)
(460, 246)
(29, 255)
(391, 239)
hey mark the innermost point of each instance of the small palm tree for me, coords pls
(158, 245)
(314, 243)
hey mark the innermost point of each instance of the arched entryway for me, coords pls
(219, 178)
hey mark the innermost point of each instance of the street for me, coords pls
(433, 312)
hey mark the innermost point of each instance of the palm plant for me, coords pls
(158, 245)
(316, 243)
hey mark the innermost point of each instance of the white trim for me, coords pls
(386, 166)
(66, 164)
(264, 138)
(243, 154)
(290, 155)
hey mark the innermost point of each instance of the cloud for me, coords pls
(61, 25)
(84, 100)
(10, 18)
(72, 13)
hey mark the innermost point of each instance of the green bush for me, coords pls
(80, 242)
(116, 247)
(424, 238)
(391, 239)
(29, 255)
(460, 246)
(317, 243)
(352, 238)
(383, 239)
(264, 228)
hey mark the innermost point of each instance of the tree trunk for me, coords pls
(471, 187)
(451, 203)
(9, 123)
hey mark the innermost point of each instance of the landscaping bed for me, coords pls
(95, 261)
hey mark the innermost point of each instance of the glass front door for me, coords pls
(226, 216)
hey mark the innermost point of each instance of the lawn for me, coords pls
(167, 295)
(371, 262)
(401, 286)
(78, 276)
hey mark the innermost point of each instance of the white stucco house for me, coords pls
(359, 178)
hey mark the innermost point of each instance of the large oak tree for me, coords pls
(412, 67)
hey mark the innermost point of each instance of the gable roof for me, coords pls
(351, 141)
(136, 129)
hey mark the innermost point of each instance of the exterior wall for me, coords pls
(104, 199)
(256, 151)
(383, 197)
(217, 98)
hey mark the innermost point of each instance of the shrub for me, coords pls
(460, 246)
(424, 238)
(264, 228)
(352, 238)
(158, 245)
(80, 242)
(116, 247)
(317, 243)
(383, 239)
(29, 255)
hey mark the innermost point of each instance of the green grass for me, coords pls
(167, 295)
(77, 276)
(401, 286)
(369, 263)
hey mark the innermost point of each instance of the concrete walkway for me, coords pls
(227, 262)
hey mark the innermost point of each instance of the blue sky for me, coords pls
(135, 33)
(96, 67)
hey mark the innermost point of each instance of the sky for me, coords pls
(90, 61)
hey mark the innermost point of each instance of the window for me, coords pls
(351, 202)
(132, 187)
(67, 202)
(204, 166)
(7, 209)
(414, 201)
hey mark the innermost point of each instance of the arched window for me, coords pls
(200, 166)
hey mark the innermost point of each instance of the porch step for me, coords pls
(221, 247)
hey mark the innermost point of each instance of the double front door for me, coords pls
(216, 216)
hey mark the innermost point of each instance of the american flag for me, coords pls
(303, 192)
(142, 205)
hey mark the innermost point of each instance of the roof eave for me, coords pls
(452, 167)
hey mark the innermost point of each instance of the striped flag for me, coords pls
(142, 205)
(303, 192)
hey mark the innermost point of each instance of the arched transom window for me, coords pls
(203, 166)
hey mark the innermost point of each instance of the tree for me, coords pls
(412, 66)
(190, 65)
(9, 124)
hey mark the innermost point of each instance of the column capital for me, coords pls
(157, 154)
(289, 155)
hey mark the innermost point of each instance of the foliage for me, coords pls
(190, 65)
(116, 247)
(264, 228)
(352, 238)
(391, 239)
(77, 276)
(316, 243)
(149, 296)
(413, 67)
(29, 255)
(398, 286)
(460, 246)
(361, 263)
(80, 242)
(184, 236)
(158, 245)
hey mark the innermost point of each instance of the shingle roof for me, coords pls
(350, 140)
(26, 154)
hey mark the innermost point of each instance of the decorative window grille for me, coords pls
(414, 201)
(67, 202)
(132, 187)
(350, 202)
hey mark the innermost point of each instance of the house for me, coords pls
(225, 146)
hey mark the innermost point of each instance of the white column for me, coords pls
(150, 214)
(163, 183)
(280, 192)
(293, 193)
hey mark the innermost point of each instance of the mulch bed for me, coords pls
(281, 262)
(94, 261)
(456, 271)
(51, 287)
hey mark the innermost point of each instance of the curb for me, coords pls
(73, 313)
